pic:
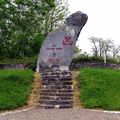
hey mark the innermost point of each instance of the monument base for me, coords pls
(62, 68)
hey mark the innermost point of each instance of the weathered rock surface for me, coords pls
(58, 48)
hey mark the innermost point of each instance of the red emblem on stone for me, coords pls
(67, 41)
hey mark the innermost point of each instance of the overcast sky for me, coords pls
(103, 20)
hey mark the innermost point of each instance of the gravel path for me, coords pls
(59, 114)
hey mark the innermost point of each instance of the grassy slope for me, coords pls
(100, 88)
(15, 86)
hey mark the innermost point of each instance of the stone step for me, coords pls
(55, 102)
(56, 97)
(56, 94)
(57, 83)
(59, 72)
(44, 106)
(56, 78)
(56, 90)
(56, 72)
(62, 91)
(52, 89)
(57, 87)
(66, 78)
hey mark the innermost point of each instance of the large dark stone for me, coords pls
(58, 47)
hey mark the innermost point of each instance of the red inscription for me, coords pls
(59, 48)
(67, 41)
(54, 48)
(53, 61)
(50, 48)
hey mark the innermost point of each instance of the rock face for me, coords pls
(58, 48)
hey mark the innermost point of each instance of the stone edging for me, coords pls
(76, 66)
(13, 66)
(15, 111)
(27, 109)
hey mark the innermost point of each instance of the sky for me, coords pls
(103, 20)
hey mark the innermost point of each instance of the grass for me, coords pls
(100, 88)
(15, 87)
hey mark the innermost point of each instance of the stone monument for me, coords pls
(53, 62)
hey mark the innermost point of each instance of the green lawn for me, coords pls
(15, 87)
(100, 88)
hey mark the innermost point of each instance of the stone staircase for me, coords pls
(56, 89)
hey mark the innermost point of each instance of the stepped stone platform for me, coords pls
(56, 89)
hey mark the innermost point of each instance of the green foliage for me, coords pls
(77, 52)
(21, 30)
(30, 62)
(54, 19)
(100, 88)
(15, 87)
(24, 25)
(87, 58)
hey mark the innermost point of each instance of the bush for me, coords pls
(30, 62)
(86, 59)
(92, 59)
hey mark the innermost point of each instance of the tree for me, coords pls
(19, 23)
(77, 51)
(100, 46)
(24, 25)
(107, 46)
(115, 50)
(95, 47)
(55, 18)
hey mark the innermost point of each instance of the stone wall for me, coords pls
(13, 66)
(73, 66)
(76, 66)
